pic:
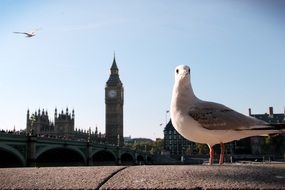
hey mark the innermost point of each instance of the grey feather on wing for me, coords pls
(221, 119)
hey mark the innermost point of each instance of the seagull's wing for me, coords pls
(28, 34)
(215, 116)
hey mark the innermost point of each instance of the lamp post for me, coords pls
(166, 113)
(118, 138)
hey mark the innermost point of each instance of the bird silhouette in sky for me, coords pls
(28, 34)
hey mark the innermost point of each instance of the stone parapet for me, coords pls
(232, 176)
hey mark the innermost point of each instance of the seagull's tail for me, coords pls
(270, 126)
(271, 129)
(279, 127)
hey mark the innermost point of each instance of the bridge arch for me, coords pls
(127, 158)
(104, 157)
(59, 155)
(11, 157)
(140, 159)
(148, 159)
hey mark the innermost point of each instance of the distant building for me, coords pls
(258, 143)
(270, 117)
(39, 124)
(175, 144)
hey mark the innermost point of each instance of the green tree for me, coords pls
(202, 148)
(154, 147)
(158, 146)
(274, 145)
(266, 145)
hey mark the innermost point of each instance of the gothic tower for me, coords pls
(64, 123)
(114, 101)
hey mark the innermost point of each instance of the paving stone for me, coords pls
(242, 176)
(199, 177)
(56, 177)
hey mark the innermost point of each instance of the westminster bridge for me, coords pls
(21, 151)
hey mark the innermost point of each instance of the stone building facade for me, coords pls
(175, 144)
(39, 124)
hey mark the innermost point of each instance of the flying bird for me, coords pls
(209, 122)
(28, 34)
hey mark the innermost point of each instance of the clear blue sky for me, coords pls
(236, 51)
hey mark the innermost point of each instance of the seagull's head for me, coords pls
(182, 75)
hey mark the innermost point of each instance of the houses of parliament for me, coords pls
(39, 124)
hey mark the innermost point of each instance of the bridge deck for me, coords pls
(242, 176)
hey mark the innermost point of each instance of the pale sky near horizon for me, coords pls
(236, 51)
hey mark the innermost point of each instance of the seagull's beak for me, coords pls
(185, 74)
(183, 78)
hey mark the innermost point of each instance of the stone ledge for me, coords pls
(234, 176)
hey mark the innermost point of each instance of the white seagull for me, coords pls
(208, 122)
(28, 34)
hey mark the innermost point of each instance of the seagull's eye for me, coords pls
(188, 70)
(177, 71)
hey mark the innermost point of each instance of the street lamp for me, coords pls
(118, 138)
(166, 113)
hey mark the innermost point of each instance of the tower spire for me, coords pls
(114, 66)
(114, 79)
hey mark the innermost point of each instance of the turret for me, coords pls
(73, 115)
(28, 114)
(55, 113)
(270, 111)
(28, 122)
(284, 115)
(249, 111)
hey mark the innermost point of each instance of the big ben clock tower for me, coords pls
(114, 101)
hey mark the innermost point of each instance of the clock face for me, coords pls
(112, 93)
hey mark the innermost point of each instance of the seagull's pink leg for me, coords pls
(221, 161)
(211, 155)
